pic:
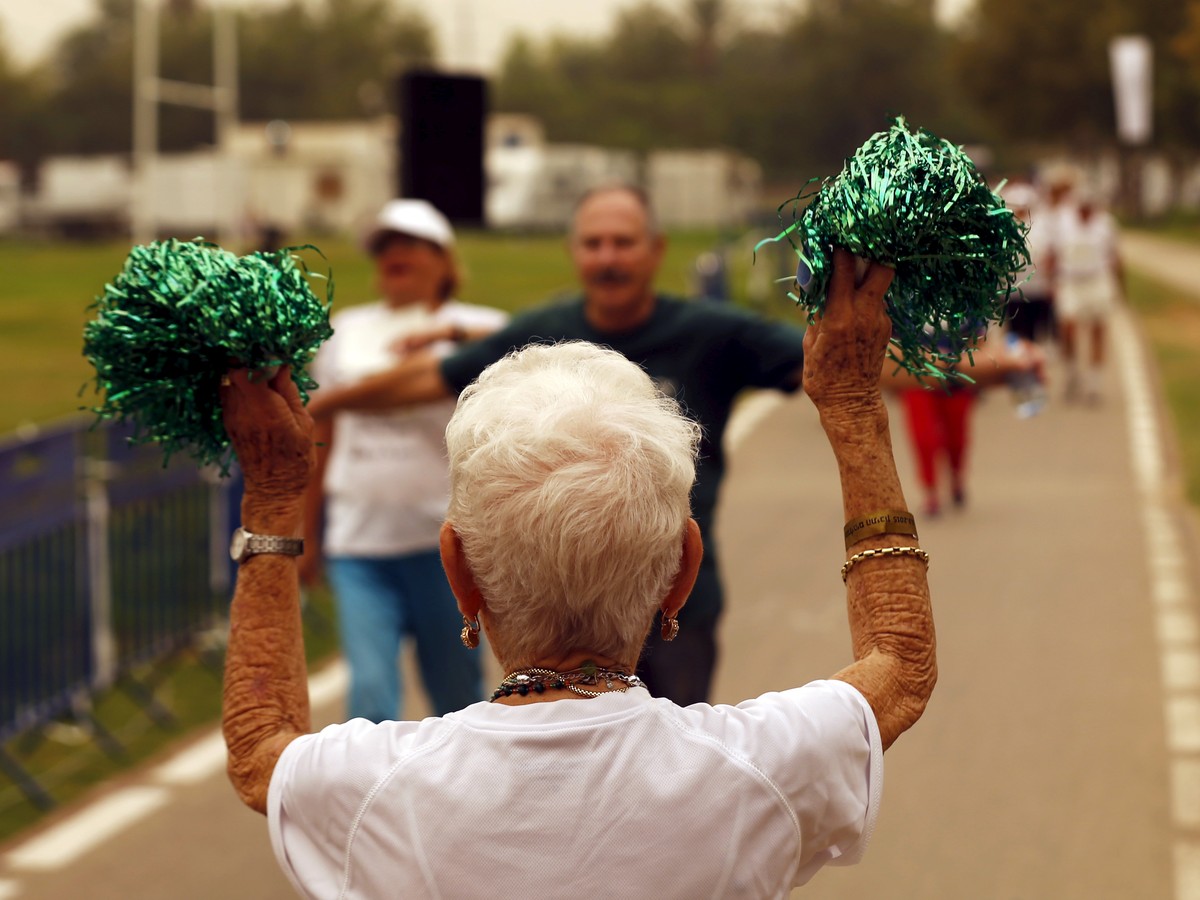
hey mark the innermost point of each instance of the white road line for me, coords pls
(328, 684)
(1175, 617)
(1178, 627)
(1171, 592)
(1181, 668)
(1187, 870)
(64, 843)
(1183, 724)
(749, 414)
(202, 760)
(1185, 792)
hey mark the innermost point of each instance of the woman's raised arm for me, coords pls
(891, 622)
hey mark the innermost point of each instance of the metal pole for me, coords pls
(104, 642)
(225, 84)
(145, 118)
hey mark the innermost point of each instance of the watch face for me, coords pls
(237, 545)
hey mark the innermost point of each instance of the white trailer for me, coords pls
(83, 195)
(703, 189)
(10, 197)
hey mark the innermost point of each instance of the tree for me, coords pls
(327, 60)
(798, 97)
(1186, 45)
(20, 94)
(335, 60)
(1040, 70)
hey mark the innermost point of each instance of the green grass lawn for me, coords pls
(47, 287)
(1172, 324)
(1178, 225)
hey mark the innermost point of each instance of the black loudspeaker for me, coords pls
(442, 121)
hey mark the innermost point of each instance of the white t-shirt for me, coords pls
(386, 483)
(1087, 286)
(1086, 250)
(622, 796)
(1043, 230)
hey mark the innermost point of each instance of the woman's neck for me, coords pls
(573, 661)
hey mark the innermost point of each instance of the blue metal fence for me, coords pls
(108, 561)
(46, 633)
(162, 543)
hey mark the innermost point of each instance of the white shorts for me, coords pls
(1087, 299)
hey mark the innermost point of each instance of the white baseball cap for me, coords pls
(1019, 196)
(418, 218)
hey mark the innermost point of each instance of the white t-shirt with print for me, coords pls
(386, 482)
(622, 795)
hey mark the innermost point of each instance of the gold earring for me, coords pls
(470, 633)
(670, 628)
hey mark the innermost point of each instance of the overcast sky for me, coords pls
(471, 33)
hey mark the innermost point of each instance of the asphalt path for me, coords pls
(1043, 767)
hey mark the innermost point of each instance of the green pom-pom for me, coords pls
(917, 203)
(180, 315)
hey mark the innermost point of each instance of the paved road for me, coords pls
(1042, 768)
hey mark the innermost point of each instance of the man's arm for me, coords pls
(455, 334)
(891, 622)
(987, 368)
(266, 685)
(417, 378)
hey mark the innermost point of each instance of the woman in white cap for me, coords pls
(375, 507)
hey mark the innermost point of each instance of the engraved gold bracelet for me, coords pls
(888, 521)
(915, 552)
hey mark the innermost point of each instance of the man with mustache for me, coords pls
(701, 354)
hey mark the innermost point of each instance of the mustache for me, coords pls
(611, 276)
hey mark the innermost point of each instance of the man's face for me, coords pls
(410, 270)
(615, 255)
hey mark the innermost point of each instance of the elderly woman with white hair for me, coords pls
(568, 534)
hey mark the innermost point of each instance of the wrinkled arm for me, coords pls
(266, 688)
(417, 378)
(891, 622)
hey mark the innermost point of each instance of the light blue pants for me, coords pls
(380, 600)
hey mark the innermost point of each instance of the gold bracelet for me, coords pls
(886, 522)
(915, 552)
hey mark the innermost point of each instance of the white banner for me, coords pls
(1131, 59)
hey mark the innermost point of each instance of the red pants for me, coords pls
(937, 422)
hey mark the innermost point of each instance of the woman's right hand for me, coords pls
(845, 346)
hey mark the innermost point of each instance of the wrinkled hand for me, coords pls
(271, 433)
(844, 348)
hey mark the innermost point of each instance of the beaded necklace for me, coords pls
(539, 680)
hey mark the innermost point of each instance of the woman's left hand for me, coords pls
(845, 346)
(272, 434)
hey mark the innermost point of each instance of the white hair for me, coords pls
(570, 476)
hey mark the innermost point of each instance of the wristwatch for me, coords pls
(243, 545)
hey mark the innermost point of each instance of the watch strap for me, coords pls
(270, 543)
